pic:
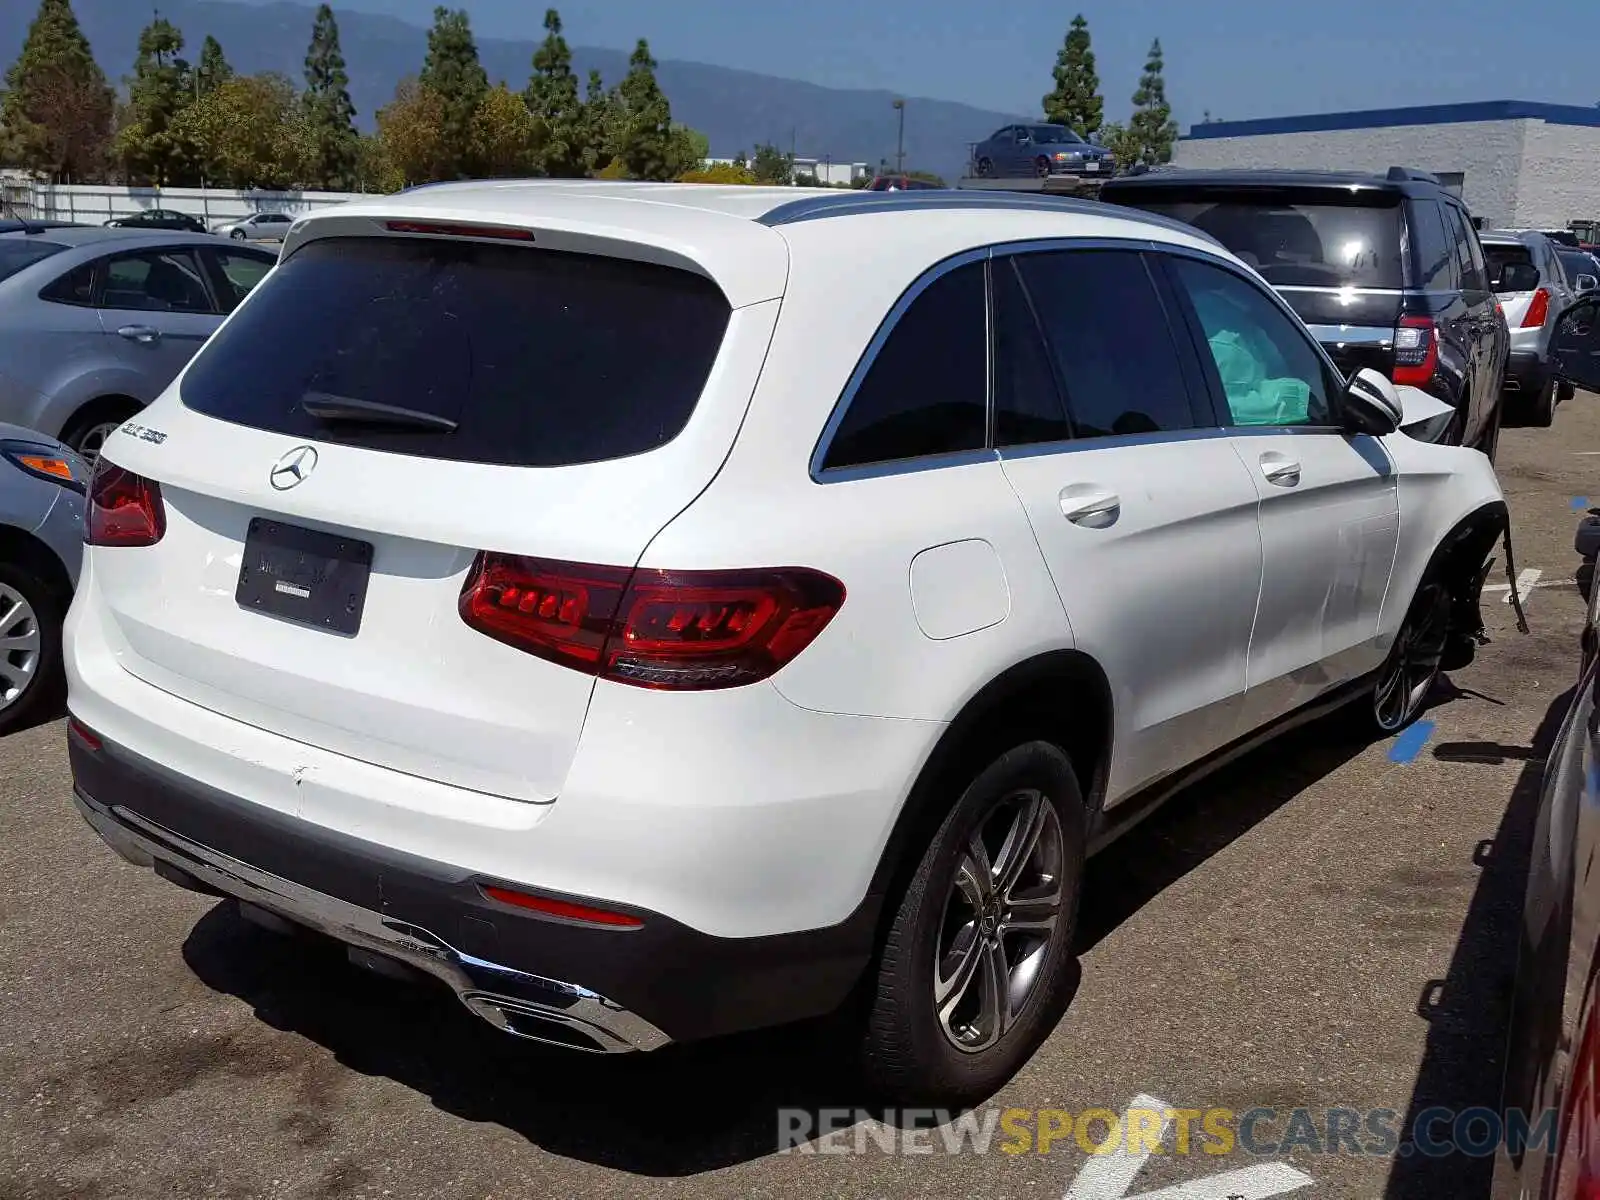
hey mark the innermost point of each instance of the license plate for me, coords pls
(1091, 166)
(304, 575)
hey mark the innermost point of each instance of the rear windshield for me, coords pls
(1499, 257)
(19, 252)
(1295, 239)
(1576, 263)
(537, 358)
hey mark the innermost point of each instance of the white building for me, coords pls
(827, 171)
(1514, 162)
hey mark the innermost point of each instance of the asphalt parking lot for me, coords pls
(1325, 924)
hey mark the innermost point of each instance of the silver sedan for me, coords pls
(42, 486)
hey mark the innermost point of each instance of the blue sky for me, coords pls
(1239, 59)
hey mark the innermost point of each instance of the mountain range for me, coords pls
(734, 109)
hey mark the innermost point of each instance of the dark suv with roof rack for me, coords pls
(1386, 270)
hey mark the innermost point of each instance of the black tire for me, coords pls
(1542, 412)
(1041, 167)
(1565, 391)
(46, 688)
(910, 1052)
(985, 168)
(1424, 634)
(237, 235)
(86, 432)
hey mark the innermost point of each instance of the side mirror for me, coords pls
(1371, 405)
(1576, 344)
(1584, 284)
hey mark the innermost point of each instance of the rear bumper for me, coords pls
(1527, 372)
(584, 986)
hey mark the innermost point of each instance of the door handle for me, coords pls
(1285, 472)
(1090, 506)
(143, 334)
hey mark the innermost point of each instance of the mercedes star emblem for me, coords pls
(293, 467)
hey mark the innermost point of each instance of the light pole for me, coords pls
(900, 138)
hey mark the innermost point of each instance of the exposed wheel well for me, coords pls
(90, 411)
(22, 548)
(1459, 561)
(1061, 697)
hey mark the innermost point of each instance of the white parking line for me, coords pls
(1526, 579)
(1503, 589)
(1109, 1176)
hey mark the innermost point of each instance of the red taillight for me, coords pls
(1416, 351)
(681, 630)
(443, 229)
(1538, 309)
(124, 509)
(1578, 1162)
(564, 909)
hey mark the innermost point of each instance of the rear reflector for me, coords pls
(679, 630)
(1416, 351)
(442, 229)
(124, 509)
(88, 737)
(564, 909)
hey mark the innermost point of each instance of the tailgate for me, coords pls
(377, 413)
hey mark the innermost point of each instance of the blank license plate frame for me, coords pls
(304, 576)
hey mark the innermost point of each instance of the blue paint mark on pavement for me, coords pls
(1409, 744)
(1579, 502)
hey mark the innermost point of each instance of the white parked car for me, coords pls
(257, 227)
(655, 610)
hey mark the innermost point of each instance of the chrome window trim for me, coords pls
(1354, 335)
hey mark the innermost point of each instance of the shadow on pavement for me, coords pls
(1467, 1010)
(684, 1109)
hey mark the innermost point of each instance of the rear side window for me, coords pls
(1469, 257)
(75, 287)
(1432, 249)
(1027, 403)
(1110, 340)
(17, 253)
(1295, 237)
(926, 391)
(536, 358)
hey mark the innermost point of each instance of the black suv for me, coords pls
(1385, 270)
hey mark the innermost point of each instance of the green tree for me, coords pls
(602, 128)
(646, 142)
(158, 91)
(213, 68)
(453, 74)
(411, 137)
(506, 138)
(552, 98)
(688, 150)
(249, 132)
(56, 113)
(1152, 125)
(1123, 144)
(330, 117)
(1076, 100)
(771, 165)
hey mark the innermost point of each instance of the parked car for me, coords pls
(159, 218)
(1553, 1040)
(42, 485)
(1038, 151)
(1531, 285)
(900, 183)
(95, 322)
(1386, 270)
(1582, 268)
(257, 227)
(425, 609)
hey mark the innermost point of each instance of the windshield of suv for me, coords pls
(1053, 133)
(495, 354)
(1501, 256)
(17, 252)
(1295, 239)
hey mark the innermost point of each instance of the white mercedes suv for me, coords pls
(658, 611)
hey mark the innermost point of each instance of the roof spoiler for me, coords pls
(1410, 175)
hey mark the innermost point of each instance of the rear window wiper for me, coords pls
(327, 407)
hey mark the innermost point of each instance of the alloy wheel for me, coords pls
(998, 922)
(93, 438)
(21, 644)
(1414, 662)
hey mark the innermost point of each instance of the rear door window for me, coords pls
(926, 391)
(1110, 341)
(165, 281)
(1027, 403)
(1295, 237)
(503, 355)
